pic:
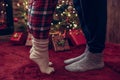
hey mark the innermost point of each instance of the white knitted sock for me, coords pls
(39, 54)
(31, 50)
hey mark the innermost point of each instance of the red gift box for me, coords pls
(29, 40)
(60, 43)
(18, 38)
(77, 37)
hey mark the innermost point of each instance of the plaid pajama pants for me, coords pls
(40, 14)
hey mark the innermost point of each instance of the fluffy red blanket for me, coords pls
(15, 64)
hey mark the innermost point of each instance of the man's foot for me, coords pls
(71, 60)
(89, 62)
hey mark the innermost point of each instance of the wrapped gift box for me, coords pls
(60, 43)
(77, 37)
(18, 38)
(29, 40)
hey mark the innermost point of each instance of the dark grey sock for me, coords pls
(71, 60)
(89, 62)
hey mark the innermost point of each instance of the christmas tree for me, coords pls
(65, 17)
(3, 6)
(20, 14)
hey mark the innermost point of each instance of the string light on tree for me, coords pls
(3, 6)
(20, 14)
(65, 17)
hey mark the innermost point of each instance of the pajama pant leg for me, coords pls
(93, 17)
(40, 15)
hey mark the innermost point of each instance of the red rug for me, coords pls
(15, 64)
